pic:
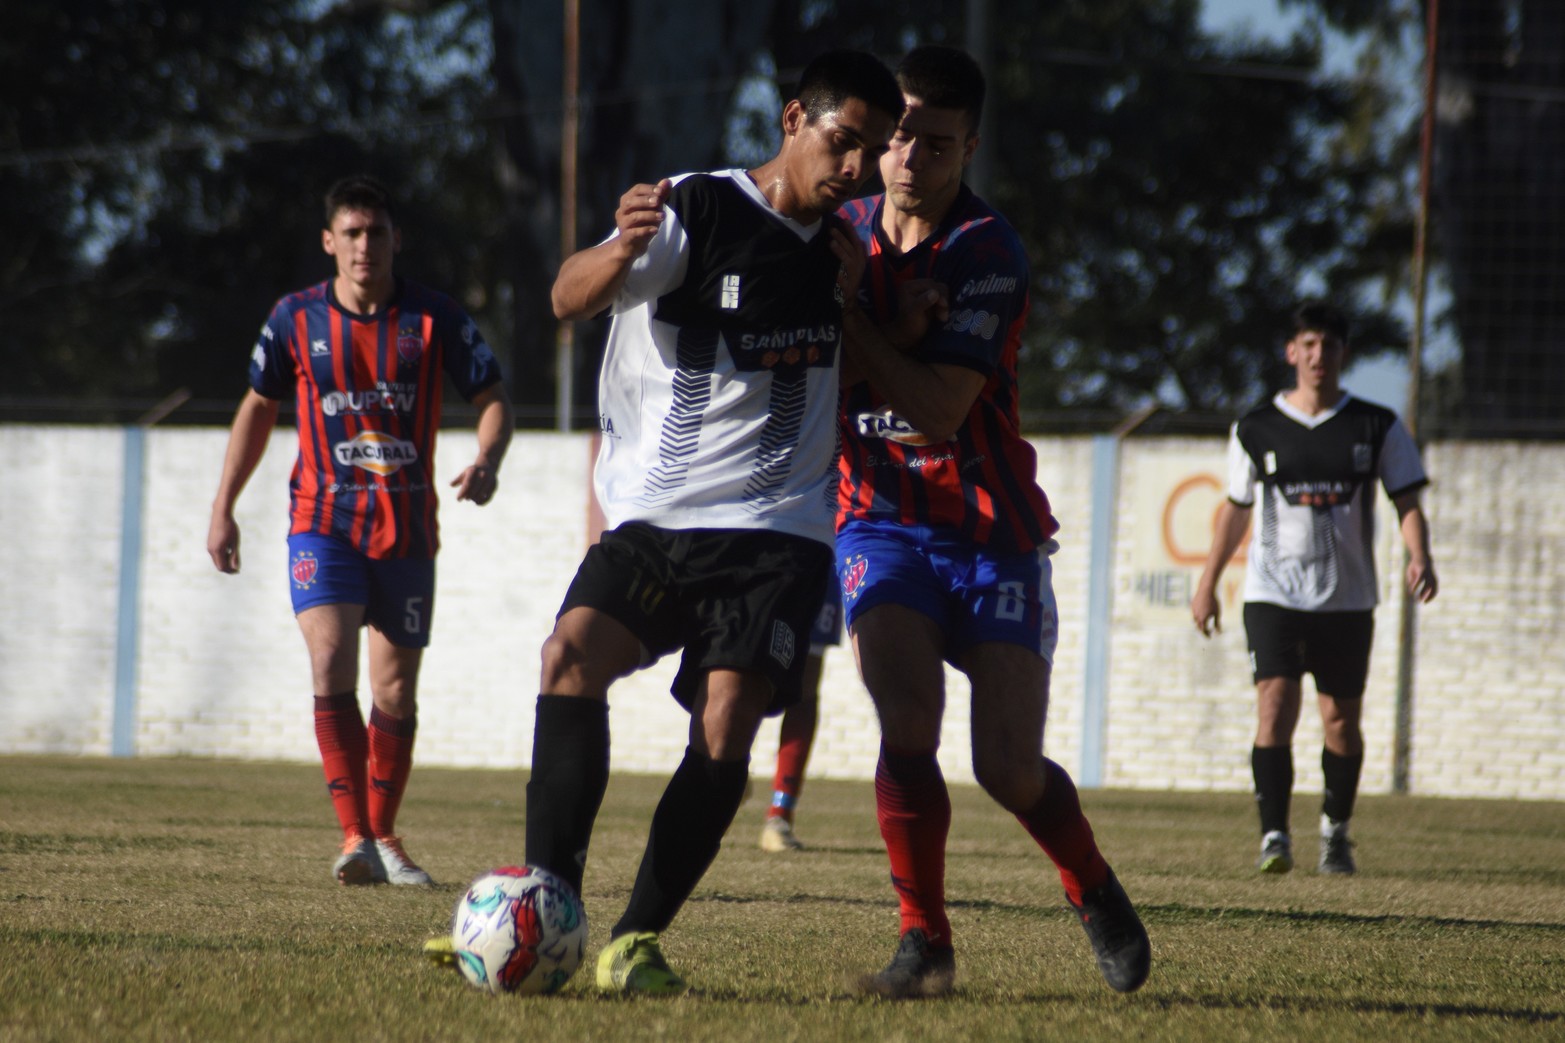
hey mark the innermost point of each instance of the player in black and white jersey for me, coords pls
(1309, 460)
(718, 396)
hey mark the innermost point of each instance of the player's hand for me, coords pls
(920, 304)
(640, 215)
(850, 251)
(222, 543)
(478, 483)
(1207, 612)
(1422, 583)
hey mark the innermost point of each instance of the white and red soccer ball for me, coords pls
(519, 929)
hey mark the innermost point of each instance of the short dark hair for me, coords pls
(1320, 317)
(834, 77)
(944, 78)
(358, 192)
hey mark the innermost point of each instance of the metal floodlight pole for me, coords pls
(1402, 740)
(570, 120)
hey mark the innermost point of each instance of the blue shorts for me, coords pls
(973, 595)
(398, 594)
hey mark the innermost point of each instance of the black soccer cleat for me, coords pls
(1119, 941)
(917, 970)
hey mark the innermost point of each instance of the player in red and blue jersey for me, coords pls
(361, 355)
(944, 538)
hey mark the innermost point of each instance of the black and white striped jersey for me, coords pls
(1311, 481)
(718, 393)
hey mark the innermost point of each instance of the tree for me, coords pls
(165, 175)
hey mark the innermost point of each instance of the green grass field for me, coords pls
(191, 899)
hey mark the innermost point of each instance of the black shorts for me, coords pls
(733, 599)
(1333, 646)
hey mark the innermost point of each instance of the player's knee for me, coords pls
(1015, 783)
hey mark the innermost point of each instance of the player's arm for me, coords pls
(253, 423)
(590, 279)
(1228, 531)
(496, 421)
(1422, 583)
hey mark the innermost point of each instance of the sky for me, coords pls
(1382, 380)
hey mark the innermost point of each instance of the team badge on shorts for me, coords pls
(304, 570)
(784, 644)
(853, 570)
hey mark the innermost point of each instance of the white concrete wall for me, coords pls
(221, 669)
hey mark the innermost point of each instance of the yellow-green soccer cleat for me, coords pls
(440, 951)
(633, 965)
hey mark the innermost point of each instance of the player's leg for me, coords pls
(1004, 642)
(1338, 656)
(399, 613)
(795, 737)
(898, 653)
(587, 651)
(618, 615)
(796, 734)
(1276, 639)
(749, 598)
(329, 585)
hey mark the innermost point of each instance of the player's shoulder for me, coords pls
(1371, 411)
(1260, 417)
(976, 231)
(300, 300)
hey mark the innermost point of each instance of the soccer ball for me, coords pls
(519, 929)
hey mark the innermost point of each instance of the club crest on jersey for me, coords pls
(304, 569)
(1363, 458)
(853, 576)
(410, 344)
(783, 643)
(375, 451)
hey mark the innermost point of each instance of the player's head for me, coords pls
(360, 232)
(358, 192)
(836, 128)
(1319, 345)
(944, 78)
(1320, 317)
(938, 134)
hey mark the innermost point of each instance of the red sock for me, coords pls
(390, 761)
(344, 746)
(1059, 827)
(914, 810)
(794, 740)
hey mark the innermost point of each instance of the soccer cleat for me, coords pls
(359, 862)
(917, 970)
(1336, 854)
(1276, 853)
(440, 951)
(777, 836)
(1119, 941)
(398, 868)
(633, 965)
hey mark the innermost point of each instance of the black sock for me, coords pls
(687, 829)
(569, 774)
(1341, 776)
(1272, 767)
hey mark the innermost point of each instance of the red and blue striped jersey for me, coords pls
(982, 482)
(367, 392)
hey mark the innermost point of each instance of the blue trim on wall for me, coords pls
(128, 626)
(1100, 579)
